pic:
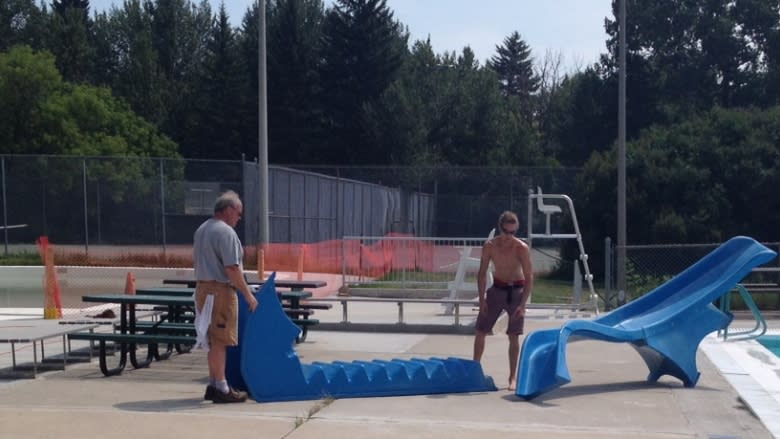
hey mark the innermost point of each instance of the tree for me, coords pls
(514, 66)
(294, 92)
(179, 32)
(695, 53)
(580, 119)
(41, 114)
(21, 22)
(138, 78)
(249, 111)
(705, 179)
(219, 97)
(70, 39)
(363, 50)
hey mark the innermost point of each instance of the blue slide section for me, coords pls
(665, 325)
(265, 364)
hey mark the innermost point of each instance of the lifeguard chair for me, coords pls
(548, 210)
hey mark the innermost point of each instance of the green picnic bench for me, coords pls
(128, 343)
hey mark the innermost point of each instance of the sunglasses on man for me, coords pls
(507, 231)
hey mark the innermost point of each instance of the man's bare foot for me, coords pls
(512, 384)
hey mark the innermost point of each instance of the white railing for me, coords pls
(408, 262)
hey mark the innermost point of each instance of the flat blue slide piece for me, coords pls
(665, 325)
(269, 368)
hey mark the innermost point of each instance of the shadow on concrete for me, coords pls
(165, 405)
(593, 389)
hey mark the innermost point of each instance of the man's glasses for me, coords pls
(508, 232)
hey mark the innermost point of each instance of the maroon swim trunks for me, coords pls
(502, 296)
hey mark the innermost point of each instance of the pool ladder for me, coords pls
(757, 331)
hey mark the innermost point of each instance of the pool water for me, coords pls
(772, 343)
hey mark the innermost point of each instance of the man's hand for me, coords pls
(251, 301)
(519, 312)
(482, 306)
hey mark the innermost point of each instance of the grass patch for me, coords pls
(23, 258)
(319, 405)
(545, 290)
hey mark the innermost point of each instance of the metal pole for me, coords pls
(5, 211)
(162, 203)
(86, 218)
(262, 154)
(607, 273)
(621, 201)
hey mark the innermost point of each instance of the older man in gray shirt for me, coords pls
(219, 270)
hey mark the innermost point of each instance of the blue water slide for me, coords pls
(266, 364)
(665, 325)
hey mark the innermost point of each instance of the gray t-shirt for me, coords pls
(216, 245)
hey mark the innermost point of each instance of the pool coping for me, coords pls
(753, 371)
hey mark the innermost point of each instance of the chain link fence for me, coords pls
(98, 206)
(142, 212)
(649, 266)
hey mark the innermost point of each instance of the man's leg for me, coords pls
(216, 359)
(514, 354)
(479, 345)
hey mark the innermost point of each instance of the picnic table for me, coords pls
(292, 302)
(293, 298)
(294, 285)
(170, 330)
(34, 331)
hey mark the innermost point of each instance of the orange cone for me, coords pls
(300, 263)
(52, 308)
(130, 284)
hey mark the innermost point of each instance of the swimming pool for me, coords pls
(772, 343)
(752, 367)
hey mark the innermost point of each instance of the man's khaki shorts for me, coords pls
(224, 315)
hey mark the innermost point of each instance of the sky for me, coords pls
(571, 28)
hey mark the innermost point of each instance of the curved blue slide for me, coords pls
(665, 325)
(265, 363)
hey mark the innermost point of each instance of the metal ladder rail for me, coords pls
(757, 331)
(576, 235)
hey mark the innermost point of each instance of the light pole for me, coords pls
(621, 165)
(262, 134)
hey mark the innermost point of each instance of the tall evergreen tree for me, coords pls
(514, 66)
(294, 91)
(70, 39)
(138, 79)
(219, 96)
(364, 49)
(248, 112)
(179, 32)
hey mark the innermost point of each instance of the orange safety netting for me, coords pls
(362, 258)
(52, 308)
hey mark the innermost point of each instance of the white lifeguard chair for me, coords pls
(548, 210)
(466, 264)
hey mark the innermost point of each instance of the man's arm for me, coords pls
(528, 273)
(484, 263)
(237, 280)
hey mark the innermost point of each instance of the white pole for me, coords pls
(262, 153)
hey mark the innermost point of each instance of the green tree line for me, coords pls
(346, 86)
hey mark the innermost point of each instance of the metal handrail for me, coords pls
(757, 331)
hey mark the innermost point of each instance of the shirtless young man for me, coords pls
(513, 281)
